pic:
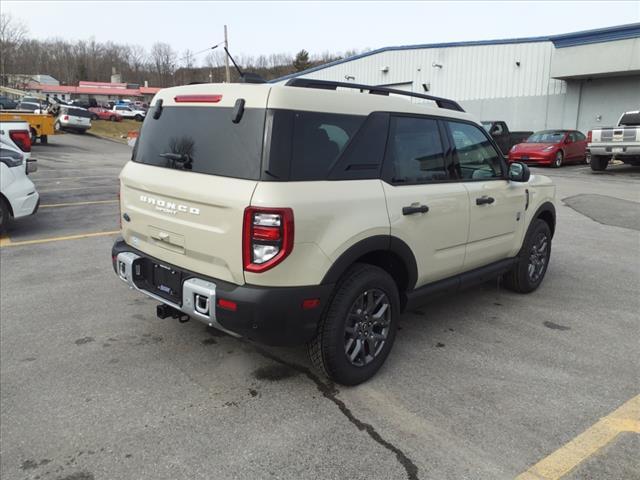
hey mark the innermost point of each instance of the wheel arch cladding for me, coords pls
(547, 212)
(384, 251)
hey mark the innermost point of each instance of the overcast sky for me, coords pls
(286, 27)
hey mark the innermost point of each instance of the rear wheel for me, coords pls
(57, 127)
(112, 118)
(557, 161)
(358, 327)
(94, 117)
(5, 215)
(533, 259)
(138, 118)
(599, 163)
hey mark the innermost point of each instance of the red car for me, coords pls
(551, 147)
(104, 114)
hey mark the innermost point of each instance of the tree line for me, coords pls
(161, 65)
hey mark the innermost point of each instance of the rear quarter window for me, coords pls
(306, 145)
(629, 119)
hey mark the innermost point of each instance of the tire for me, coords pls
(112, 118)
(350, 308)
(138, 118)
(94, 117)
(5, 215)
(599, 163)
(57, 127)
(557, 161)
(44, 139)
(531, 266)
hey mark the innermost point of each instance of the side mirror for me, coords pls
(519, 172)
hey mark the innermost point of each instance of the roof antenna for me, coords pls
(246, 77)
(234, 62)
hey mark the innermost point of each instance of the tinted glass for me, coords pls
(203, 140)
(547, 136)
(580, 136)
(474, 153)
(630, 119)
(415, 150)
(318, 140)
(77, 112)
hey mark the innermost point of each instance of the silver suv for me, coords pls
(317, 212)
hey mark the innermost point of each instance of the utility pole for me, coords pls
(226, 57)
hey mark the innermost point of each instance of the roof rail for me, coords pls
(374, 90)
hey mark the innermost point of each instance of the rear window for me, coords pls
(629, 119)
(203, 140)
(78, 112)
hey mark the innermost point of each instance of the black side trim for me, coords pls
(372, 244)
(423, 294)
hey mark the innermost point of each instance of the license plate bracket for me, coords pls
(166, 281)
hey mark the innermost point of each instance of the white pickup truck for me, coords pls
(130, 112)
(621, 142)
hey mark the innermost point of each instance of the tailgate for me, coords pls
(187, 219)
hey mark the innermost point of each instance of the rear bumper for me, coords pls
(614, 149)
(269, 315)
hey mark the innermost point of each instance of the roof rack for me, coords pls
(374, 90)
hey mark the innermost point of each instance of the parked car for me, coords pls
(29, 106)
(99, 113)
(18, 195)
(84, 103)
(316, 215)
(500, 133)
(16, 134)
(551, 147)
(129, 112)
(621, 142)
(6, 103)
(74, 119)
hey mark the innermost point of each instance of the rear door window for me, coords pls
(415, 152)
(203, 140)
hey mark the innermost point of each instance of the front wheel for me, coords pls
(138, 118)
(112, 118)
(533, 259)
(557, 161)
(358, 327)
(599, 163)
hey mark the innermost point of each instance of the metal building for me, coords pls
(576, 80)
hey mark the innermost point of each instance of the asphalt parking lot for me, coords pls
(486, 384)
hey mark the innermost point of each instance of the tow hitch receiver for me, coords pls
(164, 311)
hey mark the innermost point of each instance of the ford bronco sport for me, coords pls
(316, 212)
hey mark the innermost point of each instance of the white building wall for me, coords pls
(467, 73)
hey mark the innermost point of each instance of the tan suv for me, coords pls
(316, 212)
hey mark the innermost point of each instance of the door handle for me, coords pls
(414, 209)
(485, 200)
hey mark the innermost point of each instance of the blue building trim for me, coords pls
(608, 34)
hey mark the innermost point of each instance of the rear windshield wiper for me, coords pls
(181, 158)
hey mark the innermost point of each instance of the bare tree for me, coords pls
(163, 58)
(12, 34)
